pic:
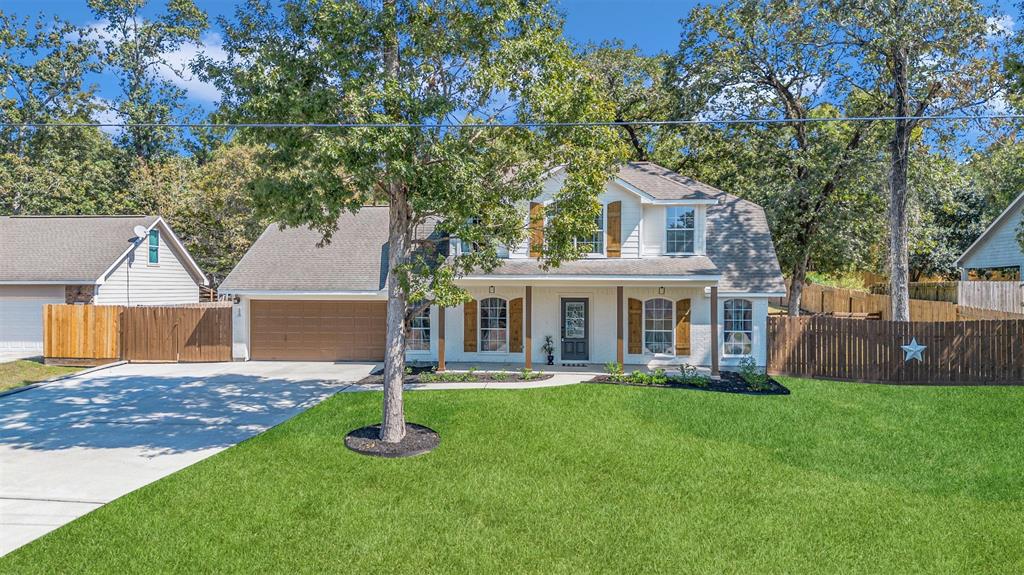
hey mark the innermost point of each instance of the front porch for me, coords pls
(641, 324)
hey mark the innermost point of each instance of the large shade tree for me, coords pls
(916, 59)
(779, 59)
(437, 65)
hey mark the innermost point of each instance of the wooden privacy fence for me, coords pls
(1005, 296)
(956, 352)
(824, 299)
(82, 332)
(90, 334)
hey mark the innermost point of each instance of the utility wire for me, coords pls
(451, 125)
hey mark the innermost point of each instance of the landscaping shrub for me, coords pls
(755, 377)
(615, 371)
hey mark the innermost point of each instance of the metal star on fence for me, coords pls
(913, 350)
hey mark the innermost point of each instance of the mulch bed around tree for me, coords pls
(729, 382)
(418, 440)
(457, 377)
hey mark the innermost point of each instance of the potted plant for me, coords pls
(549, 349)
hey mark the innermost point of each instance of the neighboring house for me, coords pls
(86, 260)
(997, 249)
(675, 262)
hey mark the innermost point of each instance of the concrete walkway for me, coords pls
(69, 446)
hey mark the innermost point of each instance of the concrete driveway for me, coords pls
(70, 446)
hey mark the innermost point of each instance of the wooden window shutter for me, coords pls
(636, 326)
(614, 231)
(469, 326)
(683, 327)
(536, 229)
(515, 325)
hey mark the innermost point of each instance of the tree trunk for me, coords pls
(392, 428)
(796, 283)
(899, 264)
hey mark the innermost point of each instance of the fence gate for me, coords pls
(185, 334)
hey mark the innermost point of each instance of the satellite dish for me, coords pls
(140, 232)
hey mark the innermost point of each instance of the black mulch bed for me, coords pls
(456, 377)
(418, 440)
(729, 382)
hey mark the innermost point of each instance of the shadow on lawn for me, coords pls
(159, 414)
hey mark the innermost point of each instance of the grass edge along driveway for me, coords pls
(592, 478)
(22, 372)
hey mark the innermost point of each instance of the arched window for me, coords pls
(738, 328)
(658, 329)
(418, 338)
(493, 324)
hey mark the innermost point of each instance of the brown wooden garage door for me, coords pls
(318, 330)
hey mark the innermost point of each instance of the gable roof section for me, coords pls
(739, 242)
(1014, 208)
(74, 249)
(664, 184)
(289, 260)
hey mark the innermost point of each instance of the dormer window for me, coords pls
(594, 244)
(680, 230)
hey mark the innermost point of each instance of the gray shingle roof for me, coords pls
(289, 259)
(63, 248)
(651, 266)
(664, 184)
(739, 247)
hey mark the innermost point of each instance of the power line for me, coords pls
(453, 125)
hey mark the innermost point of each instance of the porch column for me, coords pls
(714, 331)
(619, 349)
(528, 328)
(440, 338)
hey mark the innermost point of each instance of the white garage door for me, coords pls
(21, 320)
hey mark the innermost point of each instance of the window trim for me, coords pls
(480, 328)
(725, 339)
(672, 330)
(665, 231)
(604, 236)
(604, 231)
(153, 248)
(428, 328)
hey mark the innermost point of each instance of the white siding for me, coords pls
(21, 316)
(654, 224)
(999, 247)
(602, 307)
(135, 282)
(631, 212)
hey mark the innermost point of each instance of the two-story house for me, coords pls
(679, 273)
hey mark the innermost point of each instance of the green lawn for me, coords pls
(23, 372)
(836, 478)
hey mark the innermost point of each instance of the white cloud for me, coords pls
(999, 25)
(176, 70)
(178, 63)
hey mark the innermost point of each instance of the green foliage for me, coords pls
(755, 376)
(656, 377)
(635, 84)
(134, 50)
(549, 345)
(527, 374)
(482, 61)
(689, 375)
(615, 371)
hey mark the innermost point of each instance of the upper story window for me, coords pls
(493, 324)
(466, 247)
(418, 337)
(738, 320)
(680, 230)
(154, 247)
(658, 328)
(594, 244)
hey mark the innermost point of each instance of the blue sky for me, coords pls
(652, 25)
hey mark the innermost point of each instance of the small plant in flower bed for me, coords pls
(756, 378)
(615, 371)
(690, 377)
